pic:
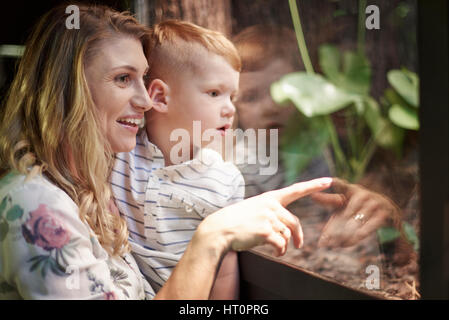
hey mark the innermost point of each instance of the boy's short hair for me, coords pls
(258, 45)
(177, 44)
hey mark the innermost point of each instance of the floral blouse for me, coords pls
(47, 252)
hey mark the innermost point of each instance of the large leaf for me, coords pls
(406, 83)
(352, 75)
(329, 59)
(404, 117)
(384, 132)
(312, 94)
(357, 72)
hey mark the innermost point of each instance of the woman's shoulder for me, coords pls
(16, 187)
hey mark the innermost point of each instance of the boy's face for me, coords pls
(205, 95)
(256, 108)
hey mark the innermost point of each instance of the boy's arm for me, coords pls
(227, 283)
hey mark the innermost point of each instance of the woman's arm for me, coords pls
(241, 226)
(194, 274)
(227, 282)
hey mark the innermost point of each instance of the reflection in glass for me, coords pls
(349, 110)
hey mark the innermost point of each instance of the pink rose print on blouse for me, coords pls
(44, 229)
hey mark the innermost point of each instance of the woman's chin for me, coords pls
(124, 146)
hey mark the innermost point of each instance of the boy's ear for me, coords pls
(158, 91)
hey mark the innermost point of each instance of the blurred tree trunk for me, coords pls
(323, 21)
(215, 15)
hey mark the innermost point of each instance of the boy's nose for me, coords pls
(228, 111)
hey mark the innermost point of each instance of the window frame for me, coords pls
(263, 277)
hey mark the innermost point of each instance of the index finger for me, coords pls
(287, 195)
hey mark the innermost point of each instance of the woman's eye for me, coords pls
(123, 79)
(146, 79)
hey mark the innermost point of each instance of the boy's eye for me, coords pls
(213, 93)
(123, 79)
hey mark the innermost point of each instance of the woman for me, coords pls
(67, 113)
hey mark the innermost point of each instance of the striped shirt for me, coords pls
(163, 206)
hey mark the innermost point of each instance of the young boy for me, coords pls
(163, 194)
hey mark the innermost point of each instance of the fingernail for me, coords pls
(326, 181)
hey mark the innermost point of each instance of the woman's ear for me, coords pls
(159, 95)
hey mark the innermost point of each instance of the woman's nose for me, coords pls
(142, 99)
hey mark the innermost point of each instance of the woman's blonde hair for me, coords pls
(49, 123)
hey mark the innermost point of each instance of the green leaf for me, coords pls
(329, 60)
(303, 140)
(4, 228)
(352, 75)
(372, 115)
(37, 258)
(279, 95)
(411, 235)
(406, 83)
(56, 267)
(37, 261)
(391, 136)
(394, 98)
(384, 132)
(14, 213)
(357, 73)
(3, 205)
(312, 94)
(387, 234)
(404, 117)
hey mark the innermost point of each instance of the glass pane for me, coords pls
(346, 106)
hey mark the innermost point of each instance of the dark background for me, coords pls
(323, 21)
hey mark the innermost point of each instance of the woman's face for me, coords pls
(116, 79)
